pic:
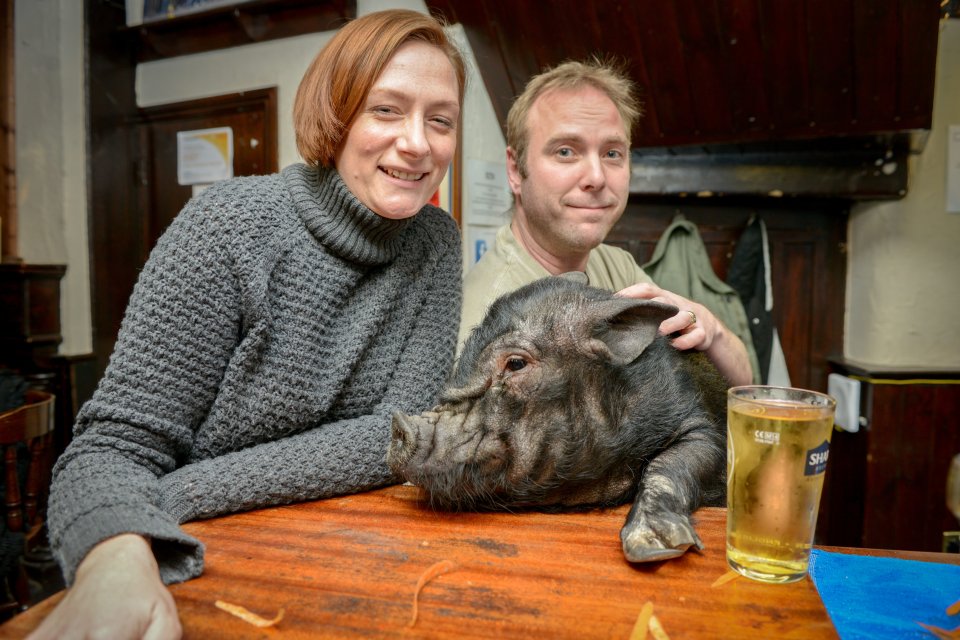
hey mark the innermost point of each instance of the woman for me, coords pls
(275, 328)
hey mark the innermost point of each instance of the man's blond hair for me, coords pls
(605, 75)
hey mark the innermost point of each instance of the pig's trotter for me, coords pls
(659, 536)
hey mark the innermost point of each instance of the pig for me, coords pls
(566, 396)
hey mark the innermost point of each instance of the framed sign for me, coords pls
(204, 156)
(163, 9)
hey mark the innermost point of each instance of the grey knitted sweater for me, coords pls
(275, 327)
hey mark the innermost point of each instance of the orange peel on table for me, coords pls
(643, 621)
(954, 609)
(657, 630)
(248, 616)
(646, 621)
(943, 634)
(432, 572)
(725, 578)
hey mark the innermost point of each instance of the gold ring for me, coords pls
(693, 317)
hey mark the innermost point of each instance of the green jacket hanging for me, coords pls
(680, 264)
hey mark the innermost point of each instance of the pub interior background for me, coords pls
(864, 277)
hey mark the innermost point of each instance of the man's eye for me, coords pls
(565, 152)
(515, 364)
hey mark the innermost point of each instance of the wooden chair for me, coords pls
(28, 426)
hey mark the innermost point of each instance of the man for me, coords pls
(568, 165)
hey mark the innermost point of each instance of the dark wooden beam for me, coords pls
(847, 168)
(725, 72)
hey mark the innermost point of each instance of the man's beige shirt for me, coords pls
(507, 266)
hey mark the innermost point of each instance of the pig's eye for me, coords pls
(515, 364)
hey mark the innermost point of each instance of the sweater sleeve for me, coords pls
(178, 332)
(344, 456)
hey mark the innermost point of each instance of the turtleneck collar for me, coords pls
(340, 222)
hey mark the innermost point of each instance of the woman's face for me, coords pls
(400, 144)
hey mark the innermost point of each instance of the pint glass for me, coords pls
(778, 442)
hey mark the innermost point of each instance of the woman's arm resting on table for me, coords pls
(117, 594)
(707, 334)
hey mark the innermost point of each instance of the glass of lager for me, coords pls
(778, 441)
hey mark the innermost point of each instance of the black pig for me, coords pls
(566, 396)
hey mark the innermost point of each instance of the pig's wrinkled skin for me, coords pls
(566, 396)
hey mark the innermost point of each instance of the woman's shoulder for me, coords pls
(436, 226)
(236, 207)
(242, 196)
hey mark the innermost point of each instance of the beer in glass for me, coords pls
(778, 442)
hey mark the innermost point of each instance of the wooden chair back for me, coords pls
(32, 426)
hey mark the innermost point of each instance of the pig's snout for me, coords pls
(408, 436)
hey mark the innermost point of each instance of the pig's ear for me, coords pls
(627, 326)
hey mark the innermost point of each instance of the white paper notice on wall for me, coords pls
(204, 156)
(488, 192)
(953, 169)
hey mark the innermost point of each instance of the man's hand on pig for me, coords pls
(697, 328)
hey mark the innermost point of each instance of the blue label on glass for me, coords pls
(817, 460)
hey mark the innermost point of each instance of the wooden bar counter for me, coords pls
(349, 567)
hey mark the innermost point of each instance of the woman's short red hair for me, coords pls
(335, 85)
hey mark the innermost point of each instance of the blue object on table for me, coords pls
(870, 598)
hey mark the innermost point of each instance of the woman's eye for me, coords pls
(515, 364)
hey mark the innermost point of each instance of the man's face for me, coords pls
(578, 171)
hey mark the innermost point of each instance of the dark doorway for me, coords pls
(126, 221)
(253, 117)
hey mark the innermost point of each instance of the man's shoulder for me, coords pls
(613, 268)
(491, 277)
(503, 267)
(613, 252)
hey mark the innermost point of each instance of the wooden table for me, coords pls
(349, 566)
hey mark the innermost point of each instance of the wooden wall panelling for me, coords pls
(9, 221)
(739, 21)
(669, 90)
(913, 435)
(783, 29)
(885, 484)
(840, 520)
(876, 51)
(30, 325)
(917, 75)
(116, 230)
(729, 72)
(712, 112)
(830, 93)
